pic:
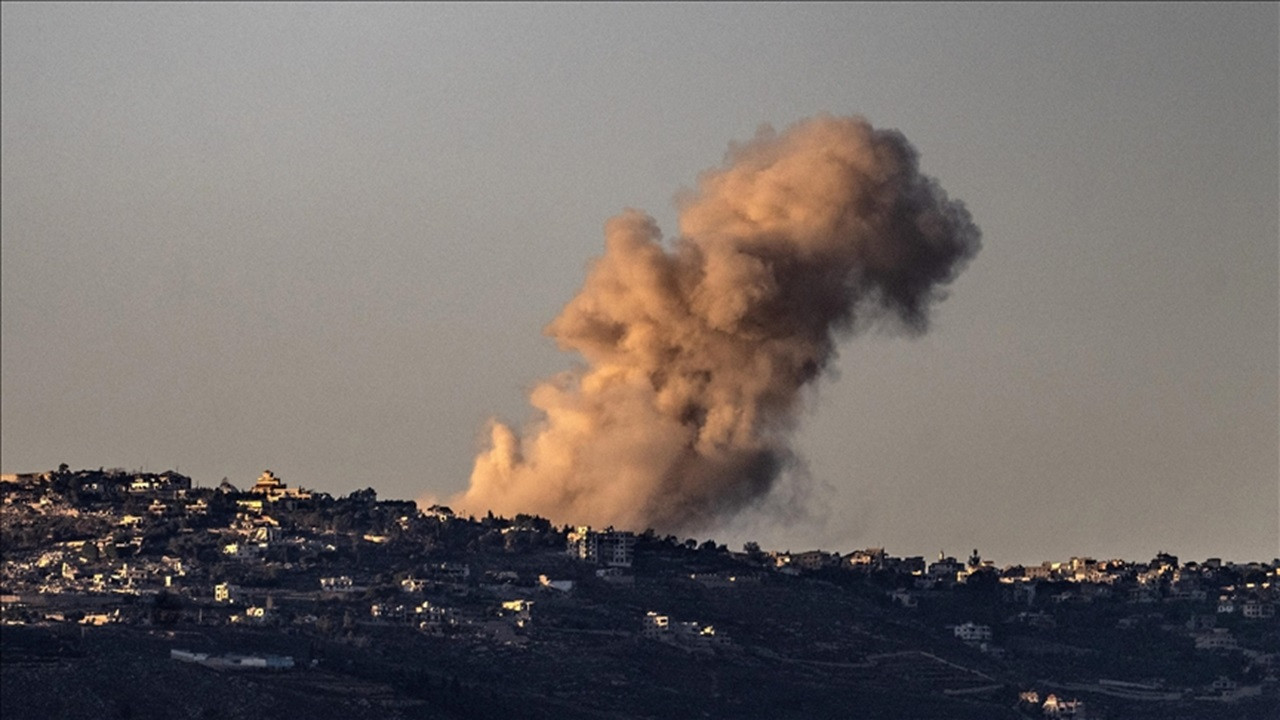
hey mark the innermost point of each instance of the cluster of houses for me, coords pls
(445, 598)
(506, 620)
(682, 633)
(1080, 580)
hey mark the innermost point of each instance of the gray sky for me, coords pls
(324, 239)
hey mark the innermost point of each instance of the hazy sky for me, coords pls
(324, 239)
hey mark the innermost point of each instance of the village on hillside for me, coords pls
(474, 617)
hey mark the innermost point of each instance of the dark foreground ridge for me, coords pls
(136, 595)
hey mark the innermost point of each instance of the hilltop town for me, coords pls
(131, 594)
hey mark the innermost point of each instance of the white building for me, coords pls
(520, 611)
(972, 632)
(1216, 639)
(615, 548)
(225, 593)
(341, 583)
(655, 625)
(903, 598)
(1256, 610)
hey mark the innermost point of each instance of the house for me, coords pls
(169, 481)
(1257, 610)
(1055, 708)
(501, 577)
(447, 572)
(520, 611)
(225, 593)
(654, 626)
(434, 619)
(1223, 684)
(724, 579)
(697, 636)
(268, 532)
(1043, 571)
(1202, 622)
(913, 565)
(1082, 567)
(413, 585)
(869, 559)
(973, 633)
(340, 584)
(814, 559)
(387, 611)
(558, 585)
(1215, 639)
(946, 569)
(260, 615)
(903, 598)
(273, 488)
(99, 619)
(615, 576)
(244, 551)
(689, 634)
(1036, 619)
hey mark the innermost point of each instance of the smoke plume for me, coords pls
(696, 353)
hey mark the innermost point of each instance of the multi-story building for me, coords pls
(615, 548)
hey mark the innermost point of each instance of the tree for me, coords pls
(367, 495)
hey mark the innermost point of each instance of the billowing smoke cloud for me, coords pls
(696, 354)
